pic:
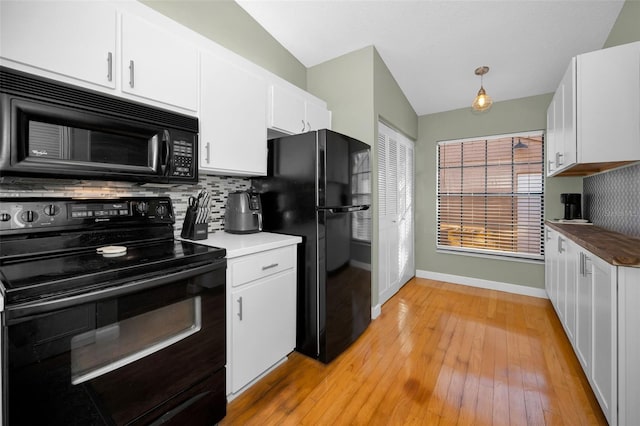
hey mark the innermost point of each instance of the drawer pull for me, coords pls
(273, 265)
(240, 306)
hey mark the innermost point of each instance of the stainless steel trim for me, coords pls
(197, 325)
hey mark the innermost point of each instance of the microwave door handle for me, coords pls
(166, 153)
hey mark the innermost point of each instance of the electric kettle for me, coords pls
(243, 213)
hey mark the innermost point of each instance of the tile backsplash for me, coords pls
(217, 186)
(612, 200)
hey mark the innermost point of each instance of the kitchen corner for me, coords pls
(261, 303)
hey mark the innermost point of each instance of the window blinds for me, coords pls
(490, 195)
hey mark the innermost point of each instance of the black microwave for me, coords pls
(54, 130)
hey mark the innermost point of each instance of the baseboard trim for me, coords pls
(477, 282)
(376, 311)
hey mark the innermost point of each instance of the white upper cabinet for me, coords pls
(609, 104)
(157, 64)
(293, 111)
(233, 128)
(317, 116)
(592, 121)
(72, 39)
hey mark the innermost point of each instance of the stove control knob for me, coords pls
(5, 217)
(28, 216)
(142, 207)
(51, 210)
(161, 210)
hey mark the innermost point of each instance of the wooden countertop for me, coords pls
(614, 248)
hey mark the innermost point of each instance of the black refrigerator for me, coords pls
(318, 186)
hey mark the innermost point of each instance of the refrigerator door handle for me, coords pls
(345, 209)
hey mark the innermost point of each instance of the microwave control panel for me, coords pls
(183, 158)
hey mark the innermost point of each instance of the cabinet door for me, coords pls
(609, 104)
(549, 267)
(74, 39)
(584, 314)
(317, 116)
(605, 337)
(287, 111)
(571, 256)
(233, 128)
(158, 65)
(567, 148)
(551, 136)
(561, 280)
(263, 326)
(628, 345)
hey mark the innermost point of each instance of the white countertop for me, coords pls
(243, 244)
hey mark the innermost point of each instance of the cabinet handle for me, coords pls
(240, 305)
(587, 271)
(303, 126)
(548, 237)
(550, 165)
(131, 74)
(207, 147)
(109, 66)
(559, 157)
(273, 265)
(309, 126)
(560, 241)
(582, 264)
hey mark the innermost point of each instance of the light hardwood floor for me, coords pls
(439, 354)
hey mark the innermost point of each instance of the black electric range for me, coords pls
(83, 277)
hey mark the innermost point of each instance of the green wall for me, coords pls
(226, 23)
(346, 83)
(359, 89)
(526, 114)
(627, 26)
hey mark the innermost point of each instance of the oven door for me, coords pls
(145, 355)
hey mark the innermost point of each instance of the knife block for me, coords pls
(192, 230)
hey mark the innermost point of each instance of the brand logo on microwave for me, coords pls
(39, 153)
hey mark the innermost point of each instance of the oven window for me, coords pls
(108, 348)
(53, 141)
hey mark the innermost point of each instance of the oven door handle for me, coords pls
(31, 308)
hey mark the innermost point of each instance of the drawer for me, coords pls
(252, 267)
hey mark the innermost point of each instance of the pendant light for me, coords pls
(482, 102)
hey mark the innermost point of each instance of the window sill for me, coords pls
(491, 256)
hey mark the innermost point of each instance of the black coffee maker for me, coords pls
(572, 206)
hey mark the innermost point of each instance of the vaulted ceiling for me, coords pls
(433, 47)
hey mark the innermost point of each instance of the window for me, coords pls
(490, 195)
(361, 195)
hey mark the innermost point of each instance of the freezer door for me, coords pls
(341, 159)
(344, 278)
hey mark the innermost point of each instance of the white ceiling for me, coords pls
(432, 47)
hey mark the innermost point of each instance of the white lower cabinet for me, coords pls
(261, 312)
(604, 369)
(597, 304)
(628, 346)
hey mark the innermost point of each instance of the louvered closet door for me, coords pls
(395, 210)
(387, 223)
(406, 262)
